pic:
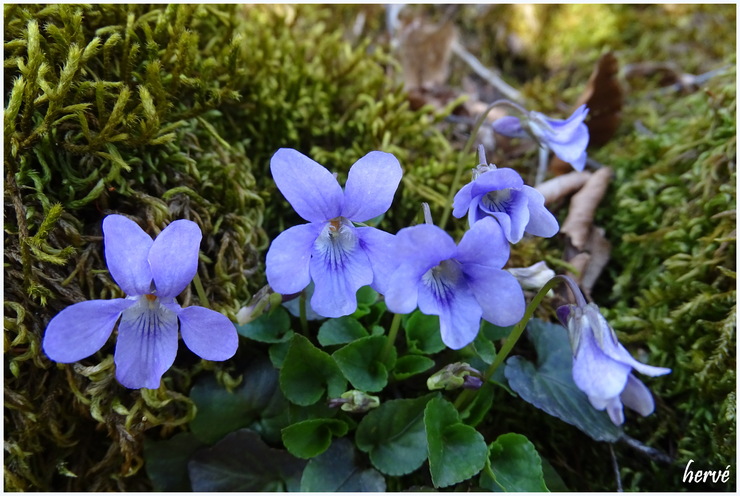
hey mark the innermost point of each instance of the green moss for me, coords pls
(160, 113)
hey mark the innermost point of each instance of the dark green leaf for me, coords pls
(484, 348)
(221, 411)
(477, 410)
(340, 331)
(410, 365)
(366, 296)
(393, 435)
(422, 334)
(309, 372)
(549, 385)
(243, 462)
(269, 327)
(494, 332)
(311, 437)
(277, 352)
(515, 466)
(336, 470)
(360, 362)
(456, 451)
(167, 461)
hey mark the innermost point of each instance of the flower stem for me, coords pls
(516, 333)
(201, 292)
(392, 333)
(542, 167)
(302, 313)
(466, 151)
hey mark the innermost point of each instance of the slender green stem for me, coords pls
(302, 313)
(516, 333)
(200, 291)
(463, 160)
(395, 325)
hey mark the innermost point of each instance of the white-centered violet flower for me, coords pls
(339, 257)
(567, 139)
(459, 283)
(151, 273)
(502, 194)
(602, 367)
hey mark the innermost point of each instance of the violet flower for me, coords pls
(568, 138)
(502, 194)
(602, 367)
(152, 273)
(339, 257)
(459, 283)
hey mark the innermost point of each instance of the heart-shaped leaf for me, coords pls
(167, 461)
(340, 331)
(360, 362)
(515, 466)
(411, 365)
(336, 470)
(393, 435)
(549, 385)
(422, 334)
(272, 327)
(309, 372)
(456, 451)
(312, 437)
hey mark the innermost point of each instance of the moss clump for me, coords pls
(672, 274)
(160, 113)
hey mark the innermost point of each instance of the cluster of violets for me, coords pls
(419, 267)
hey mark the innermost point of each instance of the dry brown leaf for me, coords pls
(591, 262)
(559, 187)
(603, 95)
(424, 52)
(578, 224)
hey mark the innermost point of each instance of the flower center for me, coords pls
(442, 279)
(336, 241)
(497, 201)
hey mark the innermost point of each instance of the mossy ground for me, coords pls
(165, 112)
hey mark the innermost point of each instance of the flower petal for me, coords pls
(637, 397)
(484, 244)
(371, 183)
(424, 246)
(509, 210)
(573, 153)
(147, 344)
(459, 313)
(338, 267)
(541, 221)
(126, 250)
(379, 247)
(498, 293)
(596, 374)
(286, 264)
(207, 333)
(496, 179)
(564, 130)
(509, 126)
(308, 186)
(174, 257)
(81, 329)
(616, 411)
(461, 202)
(402, 294)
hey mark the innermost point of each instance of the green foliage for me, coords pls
(513, 465)
(336, 471)
(312, 437)
(308, 373)
(363, 362)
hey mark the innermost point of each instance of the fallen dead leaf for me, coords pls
(603, 95)
(424, 52)
(590, 262)
(579, 222)
(560, 187)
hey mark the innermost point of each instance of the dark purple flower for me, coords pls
(502, 194)
(152, 273)
(339, 257)
(459, 283)
(602, 367)
(568, 138)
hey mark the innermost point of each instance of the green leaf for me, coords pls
(456, 451)
(478, 409)
(272, 327)
(366, 296)
(309, 372)
(360, 362)
(277, 352)
(243, 462)
(336, 470)
(484, 348)
(422, 334)
(340, 331)
(312, 437)
(393, 435)
(410, 365)
(167, 461)
(549, 385)
(515, 466)
(221, 411)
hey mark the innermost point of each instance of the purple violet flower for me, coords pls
(502, 194)
(152, 273)
(568, 138)
(339, 257)
(602, 367)
(459, 283)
